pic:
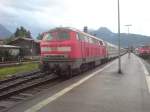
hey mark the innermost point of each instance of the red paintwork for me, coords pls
(143, 50)
(79, 49)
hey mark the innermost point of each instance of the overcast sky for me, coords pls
(38, 15)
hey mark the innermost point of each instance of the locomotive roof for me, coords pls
(76, 30)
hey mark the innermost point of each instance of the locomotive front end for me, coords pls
(56, 51)
(144, 51)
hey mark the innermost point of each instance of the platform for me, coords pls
(102, 90)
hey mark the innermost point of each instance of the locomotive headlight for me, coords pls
(65, 49)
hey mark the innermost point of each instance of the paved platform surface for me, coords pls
(105, 91)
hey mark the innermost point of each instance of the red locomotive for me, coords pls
(66, 51)
(143, 51)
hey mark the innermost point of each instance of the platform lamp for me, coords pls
(128, 29)
(119, 57)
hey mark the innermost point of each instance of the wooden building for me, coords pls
(29, 47)
(9, 53)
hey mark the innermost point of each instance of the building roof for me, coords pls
(24, 38)
(9, 46)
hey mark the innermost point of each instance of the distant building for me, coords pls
(29, 47)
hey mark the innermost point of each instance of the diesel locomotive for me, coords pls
(143, 51)
(67, 51)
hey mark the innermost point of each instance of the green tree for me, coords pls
(39, 37)
(16, 34)
(22, 32)
(28, 34)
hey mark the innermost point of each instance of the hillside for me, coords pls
(4, 33)
(126, 40)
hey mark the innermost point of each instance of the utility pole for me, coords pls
(119, 58)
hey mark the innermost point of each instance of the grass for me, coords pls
(8, 71)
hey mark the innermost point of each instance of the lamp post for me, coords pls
(128, 29)
(119, 59)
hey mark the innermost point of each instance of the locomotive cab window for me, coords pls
(47, 37)
(57, 35)
(63, 35)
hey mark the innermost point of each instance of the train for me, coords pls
(67, 51)
(143, 51)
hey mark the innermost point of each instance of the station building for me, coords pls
(9, 53)
(29, 47)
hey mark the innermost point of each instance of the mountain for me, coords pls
(4, 33)
(126, 39)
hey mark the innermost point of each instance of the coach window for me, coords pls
(90, 40)
(97, 41)
(101, 43)
(81, 37)
(86, 38)
(77, 36)
(93, 40)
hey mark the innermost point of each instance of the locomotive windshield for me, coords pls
(58, 35)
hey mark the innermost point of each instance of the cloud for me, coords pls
(31, 14)
(31, 5)
(45, 14)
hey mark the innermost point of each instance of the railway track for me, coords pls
(19, 76)
(18, 84)
(18, 88)
(14, 88)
